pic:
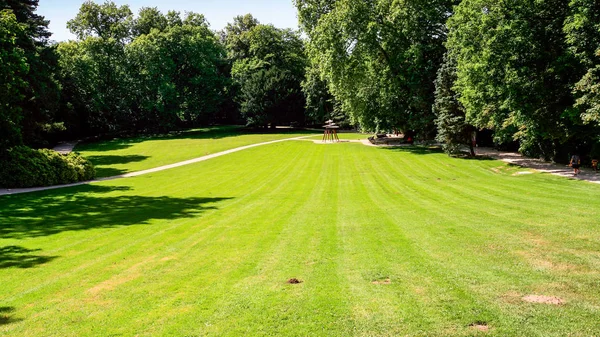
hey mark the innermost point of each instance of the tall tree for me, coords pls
(13, 71)
(95, 68)
(106, 21)
(582, 28)
(39, 100)
(453, 131)
(180, 77)
(269, 65)
(149, 18)
(379, 57)
(515, 73)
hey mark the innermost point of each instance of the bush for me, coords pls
(22, 166)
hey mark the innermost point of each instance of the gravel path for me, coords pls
(539, 165)
(66, 147)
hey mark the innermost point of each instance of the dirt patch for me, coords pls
(480, 326)
(543, 299)
(294, 281)
(386, 281)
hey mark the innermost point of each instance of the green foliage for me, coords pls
(178, 73)
(268, 68)
(515, 73)
(106, 21)
(582, 30)
(379, 57)
(149, 18)
(96, 83)
(153, 73)
(453, 131)
(13, 69)
(27, 55)
(22, 166)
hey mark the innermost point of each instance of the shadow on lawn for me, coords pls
(421, 150)
(108, 160)
(6, 316)
(19, 257)
(218, 132)
(82, 208)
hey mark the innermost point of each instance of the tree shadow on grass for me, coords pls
(6, 316)
(216, 132)
(83, 208)
(420, 150)
(100, 161)
(20, 257)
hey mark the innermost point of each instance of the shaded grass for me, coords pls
(206, 249)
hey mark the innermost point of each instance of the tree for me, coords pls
(39, 97)
(179, 77)
(515, 73)
(582, 30)
(95, 70)
(453, 131)
(149, 18)
(13, 71)
(234, 36)
(379, 57)
(268, 69)
(106, 21)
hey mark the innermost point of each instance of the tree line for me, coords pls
(527, 71)
(150, 72)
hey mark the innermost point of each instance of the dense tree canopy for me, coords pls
(268, 69)
(529, 71)
(13, 71)
(35, 106)
(379, 57)
(154, 72)
(515, 72)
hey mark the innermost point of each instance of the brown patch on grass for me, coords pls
(480, 326)
(168, 258)
(536, 239)
(419, 290)
(294, 281)
(386, 281)
(543, 299)
(130, 274)
(539, 262)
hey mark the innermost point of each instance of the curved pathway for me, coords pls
(139, 173)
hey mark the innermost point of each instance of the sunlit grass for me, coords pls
(386, 242)
(119, 156)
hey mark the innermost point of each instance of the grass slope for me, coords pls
(206, 249)
(119, 156)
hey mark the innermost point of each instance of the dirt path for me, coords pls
(66, 147)
(542, 166)
(139, 173)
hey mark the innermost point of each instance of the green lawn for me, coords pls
(206, 249)
(121, 156)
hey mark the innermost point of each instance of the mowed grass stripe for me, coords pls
(126, 253)
(305, 250)
(337, 217)
(402, 253)
(516, 275)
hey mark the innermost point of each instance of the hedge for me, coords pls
(22, 166)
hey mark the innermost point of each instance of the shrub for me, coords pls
(22, 166)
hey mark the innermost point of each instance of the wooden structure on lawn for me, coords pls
(330, 132)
